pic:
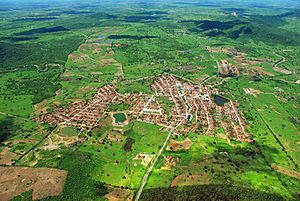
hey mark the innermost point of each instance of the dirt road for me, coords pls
(144, 181)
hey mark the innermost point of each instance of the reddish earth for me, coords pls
(177, 145)
(7, 157)
(285, 171)
(117, 194)
(43, 182)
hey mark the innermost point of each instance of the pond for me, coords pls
(219, 100)
(119, 117)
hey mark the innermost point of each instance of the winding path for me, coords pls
(281, 70)
(283, 59)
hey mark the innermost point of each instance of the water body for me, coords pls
(119, 117)
(219, 100)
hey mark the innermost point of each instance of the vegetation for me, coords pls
(54, 55)
(208, 192)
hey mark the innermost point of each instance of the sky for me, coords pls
(276, 3)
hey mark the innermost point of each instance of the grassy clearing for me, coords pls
(92, 46)
(278, 121)
(117, 166)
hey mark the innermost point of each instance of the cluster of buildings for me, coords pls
(83, 115)
(232, 121)
(227, 70)
(193, 109)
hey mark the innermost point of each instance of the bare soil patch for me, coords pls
(28, 140)
(285, 171)
(97, 50)
(242, 60)
(252, 91)
(200, 79)
(179, 145)
(41, 108)
(106, 62)
(220, 50)
(260, 70)
(49, 145)
(75, 57)
(169, 162)
(43, 181)
(89, 46)
(68, 74)
(7, 157)
(58, 139)
(145, 158)
(117, 194)
(282, 70)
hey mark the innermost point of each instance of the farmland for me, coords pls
(140, 100)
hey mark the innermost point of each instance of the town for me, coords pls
(196, 108)
(227, 70)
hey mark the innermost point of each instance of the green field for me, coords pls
(54, 54)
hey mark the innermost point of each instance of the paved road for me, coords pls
(144, 181)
